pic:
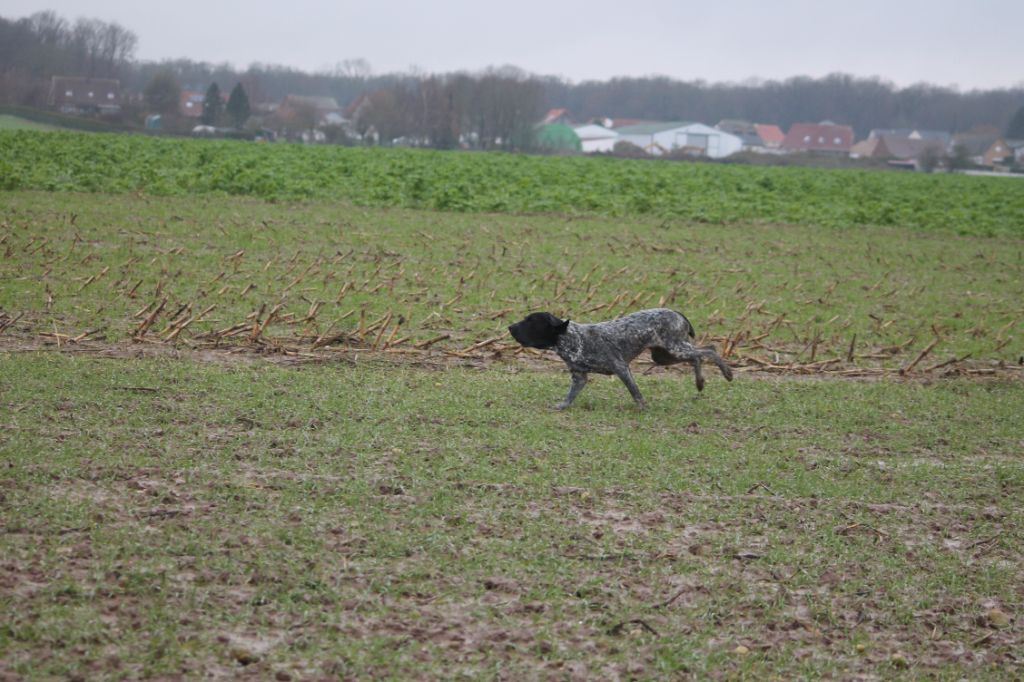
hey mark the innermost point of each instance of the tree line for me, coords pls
(862, 103)
(493, 108)
(45, 44)
(497, 109)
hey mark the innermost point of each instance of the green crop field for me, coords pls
(260, 417)
(702, 193)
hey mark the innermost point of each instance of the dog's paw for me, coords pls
(700, 383)
(727, 373)
(561, 407)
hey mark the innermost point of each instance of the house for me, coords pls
(356, 108)
(1003, 152)
(771, 135)
(889, 132)
(312, 137)
(190, 104)
(77, 95)
(741, 129)
(1018, 151)
(596, 138)
(870, 148)
(825, 137)
(556, 116)
(974, 146)
(355, 120)
(907, 151)
(617, 123)
(913, 148)
(757, 137)
(698, 139)
(932, 136)
(301, 118)
(912, 134)
(296, 106)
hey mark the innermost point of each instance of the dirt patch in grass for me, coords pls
(285, 352)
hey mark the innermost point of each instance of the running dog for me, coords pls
(609, 347)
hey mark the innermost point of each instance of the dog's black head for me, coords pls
(539, 330)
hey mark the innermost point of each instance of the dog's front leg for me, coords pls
(579, 380)
(623, 373)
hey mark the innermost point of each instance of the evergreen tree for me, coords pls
(238, 106)
(1015, 131)
(213, 105)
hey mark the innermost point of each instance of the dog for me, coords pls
(609, 347)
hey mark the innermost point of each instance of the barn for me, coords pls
(664, 138)
(596, 138)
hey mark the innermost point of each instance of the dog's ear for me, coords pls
(554, 323)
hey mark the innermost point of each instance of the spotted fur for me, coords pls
(609, 347)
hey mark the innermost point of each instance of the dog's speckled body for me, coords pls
(609, 347)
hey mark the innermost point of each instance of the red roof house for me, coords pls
(191, 103)
(819, 137)
(556, 116)
(771, 135)
(624, 122)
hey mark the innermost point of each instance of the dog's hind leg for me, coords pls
(710, 353)
(685, 352)
(579, 380)
(664, 357)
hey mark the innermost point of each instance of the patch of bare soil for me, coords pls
(292, 352)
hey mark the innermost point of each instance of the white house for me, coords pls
(595, 138)
(661, 138)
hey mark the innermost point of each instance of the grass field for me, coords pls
(179, 517)
(293, 440)
(8, 122)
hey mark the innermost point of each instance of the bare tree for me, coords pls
(302, 116)
(505, 107)
(86, 40)
(117, 47)
(50, 29)
(352, 68)
(388, 113)
(929, 159)
(436, 119)
(959, 159)
(102, 48)
(163, 93)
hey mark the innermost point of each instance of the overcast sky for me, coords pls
(976, 44)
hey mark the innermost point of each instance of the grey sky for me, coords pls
(968, 44)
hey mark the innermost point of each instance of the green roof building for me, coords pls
(558, 137)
